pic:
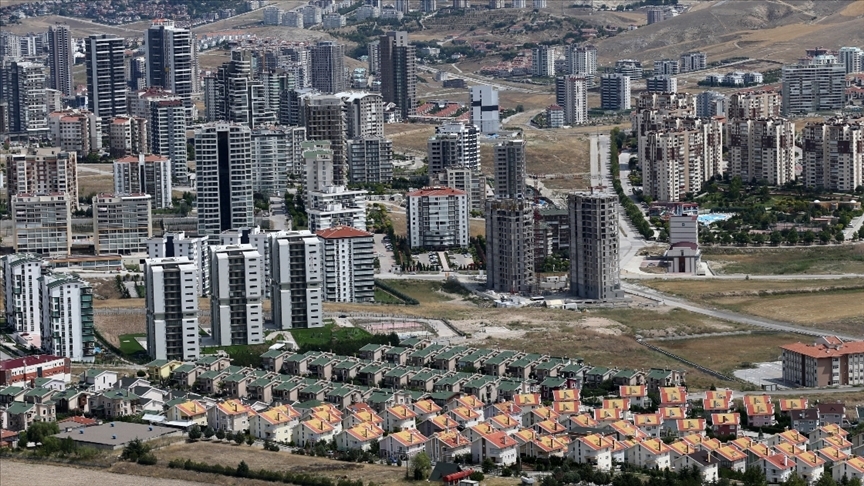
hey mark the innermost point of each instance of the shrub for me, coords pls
(147, 459)
(477, 476)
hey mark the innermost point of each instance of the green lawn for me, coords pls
(383, 297)
(328, 333)
(129, 345)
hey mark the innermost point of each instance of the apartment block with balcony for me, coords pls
(122, 223)
(349, 269)
(67, 317)
(197, 250)
(43, 223)
(21, 273)
(144, 174)
(438, 218)
(829, 361)
(297, 277)
(236, 295)
(172, 308)
(43, 171)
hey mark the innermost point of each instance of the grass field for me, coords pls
(715, 352)
(129, 345)
(827, 260)
(329, 333)
(383, 297)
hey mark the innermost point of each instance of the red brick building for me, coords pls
(22, 370)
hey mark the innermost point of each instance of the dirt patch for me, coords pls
(24, 473)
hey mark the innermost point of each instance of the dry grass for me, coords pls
(111, 327)
(696, 289)
(826, 260)
(409, 137)
(476, 227)
(714, 352)
(20, 472)
(79, 27)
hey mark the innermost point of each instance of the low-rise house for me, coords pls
(791, 437)
(566, 395)
(214, 363)
(344, 395)
(805, 421)
(549, 427)
(20, 415)
(505, 408)
(313, 431)
(399, 417)
(636, 394)
(550, 385)
(449, 359)
(678, 452)
(732, 458)
(564, 409)
(597, 375)
(298, 364)
(582, 423)
(287, 391)
(479, 430)
(185, 375)
(760, 410)
(12, 394)
(836, 441)
(659, 378)
(347, 369)
(624, 429)
(441, 423)
(538, 415)
(188, 411)
(403, 445)
(99, 380)
(261, 389)
(777, 468)
(398, 355)
(160, 369)
(230, 415)
(594, 449)
(505, 423)
(550, 368)
(72, 400)
(673, 396)
(446, 446)
(273, 359)
(497, 365)
(685, 427)
(114, 403)
(398, 377)
(652, 454)
(523, 367)
(210, 382)
(757, 453)
(466, 417)
(374, 352)
(546, 447)
(360, 437)
(373, 374)
(832, 457)
(809, 466)
(622, 450)
(236, 385)
(651, 424)
(725, 423)
(832, 413)
(706, 462)
(608, 415)
(276, 424)
(425, 409)
(362, 417)
(424, 380)
(852, 468)
(629, 378)
(527, 401)
(499, 447)
(788, 406)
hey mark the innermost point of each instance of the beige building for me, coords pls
(76, 131)
(43, 223)
(762, 149)
(833, 154)
(122, 223)
(43, 171)
(827, 362)
(129, 135)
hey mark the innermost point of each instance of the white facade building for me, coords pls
(76, 131)
(67, 317)
(237, 291)
(43, 223)
(144, 174)
(438, 218)
(178, 245)
(21, 273)
(349, 269)
(571, 94)
(297, 276)
(223, 158)
(543, 61)
(337, 206)
(172, 308)
(484, 109)
(122, 223)
(453, 145)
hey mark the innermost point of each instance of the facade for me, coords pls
(61, 58)
(833, 154)
(438, 218)
(106, 75)
(510, 169)
(510, 246)
(26, 96)
(581, 60)
(754, 104)
(364, 114)
(128, 135)
(236, 294)
(484, 109)
(554, 116)
(712, 103)
(122, 223)
(630, 68)
(21, 273)
(43, 223)
(67, 317)
(178, 245)
(827, 362)
(349, 270)
(167, 116)
(594, 272)
(683, 253)
(328, 68)
(543, 61)
(43, 171)
(398, 72)
(336, 206)
(172, 308)
(615, 92)
(816, 84)
(22, 370)
(223, 159)
(297, 278)
(276, 153)
(692, 61)
(852, 59)
(170, 60)
(453, 145)
(325, 120)
(667, 67)
(762, 149)
(571, 94)
(144, 174)
(370, 160)
(75, 131)
(317, 165)
(471, 182)
(662, 83)
(235, 94)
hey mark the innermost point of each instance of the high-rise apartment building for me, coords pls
(137, 79)
(711, 103)
(399, 72)
(681, 156)
(484, 109)
(543, 61)
(76, 131)
(172, 310)
(336, 206)
(170, 62)
(470, 181)
(167, 117)
(374, 49)
(223, 159)
(328, 67)
(510, 169)
(43, 171)
(364, 114)
(325, 120)
(692, 61)
(178, 245)
(833, 154)
(297, 277)
(571, 94)
(661, 84)
(61, 58)
(67, 317)
(128, 135)
(852, 59)
(122, 223)
(144, 174)
(106, 75)
(668, 67)
(582, 60)
(762, 149)
(615, 92)
(24, 91)
(276, 154)
(318, 161)
(236, 295)
(754, 104)
(43, 223)
(816, 84)
(370, 160)
(453, 145)
(21, 274)
(510, 246)
(594, 246)
(348, 263)
(437, 218)
(235, 93)
(630, 68)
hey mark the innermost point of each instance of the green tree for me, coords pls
(792, 237)
(839, 237)
(38, 431)
(134, 450)
(826, 480)
(488, 465)
(239, 438)
(794, 480)
(195, 432)
(753, 477)
(420, 467)
(824, 236)
(250, 440)
(209, 432)
(220, 434)
(242, 468)
(776, 238)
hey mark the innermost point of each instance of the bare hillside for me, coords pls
(765, 29)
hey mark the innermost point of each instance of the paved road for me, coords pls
(479, 80)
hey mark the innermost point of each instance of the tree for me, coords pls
(753, 477)
(477, 476)
(794, 480)
(38, 431)
(488, 465)
(776, 238)
(195, 432)
(839, 237)
(134, 450)
(250, 440)
(824, 236)
(420, 467)
(242, 468)
(220, 434)
(826, 480)
(792, 236)
(239, 438)
(209, 432)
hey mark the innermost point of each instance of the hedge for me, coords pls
(630, 208)
(242, 471)
(408, 300)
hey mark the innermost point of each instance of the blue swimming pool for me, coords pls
(708, 219)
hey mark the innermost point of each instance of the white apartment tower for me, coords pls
(668, 67)
(43, 223)
(833, 154)
(170, 60)
(178, 245)
(67, 317)
(754, 104)
(297, 277)
(106, 75)
(61, 58)
(615, 92)
(484, 109)
(762, 149)
(318, 162)
(144, 174)
(594, 246)
(349, 269)
(336, 206)
(21, 273)
(236, 295)
(571, 94)
(453, 145)
(543, 61)
(122, 223)
(370, 160)
(692, 61)
(25, 93)
(852, 59)
(223, 157)
(438, 218)
(364, 114)
(276, 154)
(172, 308)
(167, 116)
(582, 61)
(816, 84)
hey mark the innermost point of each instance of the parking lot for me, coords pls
(384, 252)
(765, 374)
(460, 260)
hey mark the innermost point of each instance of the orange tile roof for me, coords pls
(505, 421)
(551, 427)
(191, 408)
(790, 404)
(367, 416)
(620, 403)
(672, 413)
(787, 448)
(484, 428)
(465, 413)
(793, 436)
(607, 414)
(760, 450)
(566, 395)
(548, 443)
(833, 454)
(726, 419)
(470, 401)
(525, 435)
(646, 419)
(427, 406)
(834, 429)
(318, 426)
(527, 399)
(507, 407)
(444, 422)
(545, 413)
(823, 351)
(716, 404)
(691, 425)
(673, 394)
(627, 429)
(780, 461)
(338, 232)
(452, 438)
(278, 415)
(718, 394)
(682, 447)
(596, 441)
(583, 420)
(365, 432)
(837, 441)
(233, 407)
(655, 446)
(500, 440)
(631, 391)
(731, 454)
(401, 412)
(565, 408)
(409, 437)
(742, 443)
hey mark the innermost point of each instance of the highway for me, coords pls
(480, 80)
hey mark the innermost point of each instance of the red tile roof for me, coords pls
(338, 232)
(436, 191)
(9, 364)
(823, 351)
(80, 420)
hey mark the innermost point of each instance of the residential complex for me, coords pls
(328, 69)
(75, 131)
(571, 94)
(21, 273)
(692, 61)
(178, 245)
(43, 223)
(171, 62)
(615, 92)
(24, 92)
(833, 154)
(277, 153)
(398, 72)
(510, 169)
(813, 85)
(827, 362)
(349, 270)
(325, 121)
(594, 246)
(106, 75)
(43, 171)
(510, 246)
(662, 84)
(61, 58)
(453, 145)
(437, 218)
(336, 206)
(754, 104)
(762, 149)
(543, 61)
(297, 272)
(172, 308)
(370, 160)
(167, 116)
(144, 174)
(484, 108)
(236, 294)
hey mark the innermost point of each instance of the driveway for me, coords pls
(385, 256)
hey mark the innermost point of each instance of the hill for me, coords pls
(760, 29)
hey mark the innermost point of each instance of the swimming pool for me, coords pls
(708, 219)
